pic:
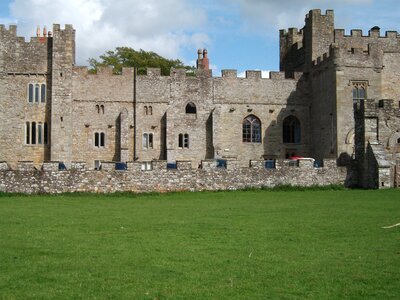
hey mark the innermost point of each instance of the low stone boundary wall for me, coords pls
(49, 179)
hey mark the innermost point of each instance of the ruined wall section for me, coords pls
(22, 63)
(98, 101)
(271, 101)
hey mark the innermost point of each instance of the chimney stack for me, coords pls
(202, 60)
(38, 31)
(44, 31)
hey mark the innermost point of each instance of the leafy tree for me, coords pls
(128, 57)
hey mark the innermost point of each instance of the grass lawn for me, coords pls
(209, 245)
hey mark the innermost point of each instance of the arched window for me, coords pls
(147, 141)
(251, 130)
(359, 93)
(99, 139)
(150, 110)
(30, 92)
(98, 109)
(102, 109)
(43, 93)
(291, 130)
(190, 108)
(37, 92)
(146, 111)
(398, 141)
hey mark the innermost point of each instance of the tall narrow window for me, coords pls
(102, 139)
(98, 108)
(146, 111)
(30, 93)
(43, 93)
(102, 109)
(28, 133)
(33, 135)
(251, 130)
(37, 93)
(291, 130)
(180, 140)
(96, 139)
(150, 110)
(45, 134)
(190, 108)
(39, 133)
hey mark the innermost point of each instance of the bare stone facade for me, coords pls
(335, 97)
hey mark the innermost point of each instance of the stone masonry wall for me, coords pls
(26, 179)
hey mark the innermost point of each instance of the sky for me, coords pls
(238, 34)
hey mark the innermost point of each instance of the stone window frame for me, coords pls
(147, 140)
(291, 130)
(99, 139)
(148, 110)
(36, 92)
(183, 141)
(36, 133)
(251, 130)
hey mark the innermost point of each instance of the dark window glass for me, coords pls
(37, 92)
(291, 130)
(43, 93)
(33, 133)
(40, 133)
(102, 139)
(180, 141)
(28, 133)
(45, 135)
(150, 140)
(30, 93)
(190, 108)
(96, 139)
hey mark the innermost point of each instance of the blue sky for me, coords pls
(239, 34)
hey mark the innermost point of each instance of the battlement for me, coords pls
(317, 13)
(256, 74)
(374, 32)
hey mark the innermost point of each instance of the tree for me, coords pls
(128, 57)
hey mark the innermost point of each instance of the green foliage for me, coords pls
(212, 245)
(128, 57)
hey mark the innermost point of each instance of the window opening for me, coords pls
(45, 134)
(28, 133)
(359, 93)
(150, 110)
(291, 130)
(190, 108)
(30, 93)
(36, 92)
(251, 130)
(33, 135)
(39, 133)
(43, 93)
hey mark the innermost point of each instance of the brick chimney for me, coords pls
(202, 60)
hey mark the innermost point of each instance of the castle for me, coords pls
(336, 96)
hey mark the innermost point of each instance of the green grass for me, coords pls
(212, 245)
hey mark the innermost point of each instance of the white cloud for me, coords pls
(165, 27)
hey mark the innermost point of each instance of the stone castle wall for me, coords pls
(26, 179)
